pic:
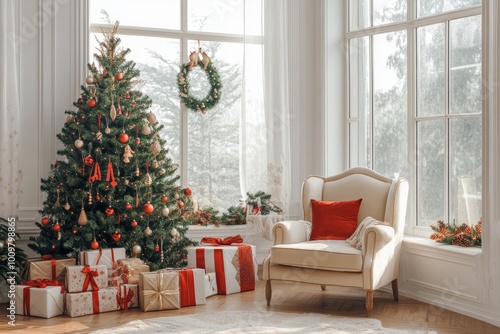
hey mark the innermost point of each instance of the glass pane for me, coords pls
(359, 14)
(465, 65)
(166, 13)
(213, 138)
(359, 145)
(430, 172)
(359, 77)
(431, 7)
(158, 61)
(431, 70)
(388, 11)
(465, 170)
(390, 104)
(223, 16)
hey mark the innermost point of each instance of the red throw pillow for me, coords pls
(334, 220)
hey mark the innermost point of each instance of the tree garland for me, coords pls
(192, 102)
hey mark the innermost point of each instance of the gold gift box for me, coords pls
(159, 291)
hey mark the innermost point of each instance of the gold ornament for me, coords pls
(148, 231)
(136, 249)
(165, 211)
(70, 119)
(148, 180)
(155, 146)
(82, 220)
(79, 143)
(151, 117)
(127, 154)
(112, 112)
(174, 233)
(146, 130)
(90, 79)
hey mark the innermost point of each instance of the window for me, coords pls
(415, 102)
(160, 35)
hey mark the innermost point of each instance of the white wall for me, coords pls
(53, 57)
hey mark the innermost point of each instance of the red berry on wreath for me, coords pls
(133, 223)
(188, 191)
(94, 244)
(45, 221)
(123, 138)
(119, 76)
(91, 103)
(148, 208)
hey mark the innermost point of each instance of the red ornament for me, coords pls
(127, 95)
(123, 138)
(181, 205)
(137, 140)
(89, 160)
(110, 211)
(80, 100)
(94, 244)
(104, 73)
(116, 236)
(148, 208)
(56, 227)
(157, 248)
(133, 104)
(91, 103)
(188, 191)
(45, 221)
(133, 223)
(164, 199)
(128, 206)
(119, 76)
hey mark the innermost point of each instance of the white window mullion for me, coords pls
(184, 112)
(446, 208)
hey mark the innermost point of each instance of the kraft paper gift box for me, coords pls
(127, 296)
(51, 269)
(191, 286)
(37, 301)
(127, 271)
(92, 302)
(86, 278)
(235, 266)
(210, 284)
(159, 290)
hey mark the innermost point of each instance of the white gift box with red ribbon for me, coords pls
(235, 265)
(38, 301)
(210, 284)
(107, 257)
(92, 302)
(127, 296)
(86, 278)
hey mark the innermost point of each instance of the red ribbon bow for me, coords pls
(126, 299)
(226, 241)
(90, 274)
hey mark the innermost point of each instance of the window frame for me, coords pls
(184, 36)
(410, 25)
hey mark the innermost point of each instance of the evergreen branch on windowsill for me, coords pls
(459, 235)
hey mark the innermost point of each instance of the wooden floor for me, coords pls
(287, 297)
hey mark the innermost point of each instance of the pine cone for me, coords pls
(461, 229)
(441, 224)
(437, 236)
(479, 226)
(461, 240)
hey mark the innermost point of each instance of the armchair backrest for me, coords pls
(383, 198)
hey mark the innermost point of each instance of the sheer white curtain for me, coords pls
(9, 111)
(265, 133)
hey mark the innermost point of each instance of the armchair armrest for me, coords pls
(291, 231)
(377, 235)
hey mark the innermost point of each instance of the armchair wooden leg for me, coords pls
(369, 302)
(323, 287)
(268, 292)
(395, 291)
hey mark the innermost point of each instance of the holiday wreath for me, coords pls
(213, 97)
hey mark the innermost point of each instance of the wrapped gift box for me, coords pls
(92, 302)
(34, 300)
(86, 278)
(127, 271)
(51, 269)
(159, 290)
(127, 296)
(191, 286)
(235, 266)
(107, 257)
(210, 284)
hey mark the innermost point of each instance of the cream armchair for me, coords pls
(335, 262)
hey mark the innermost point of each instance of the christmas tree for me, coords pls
(116, 186)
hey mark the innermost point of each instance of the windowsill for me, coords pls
(419, 242)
